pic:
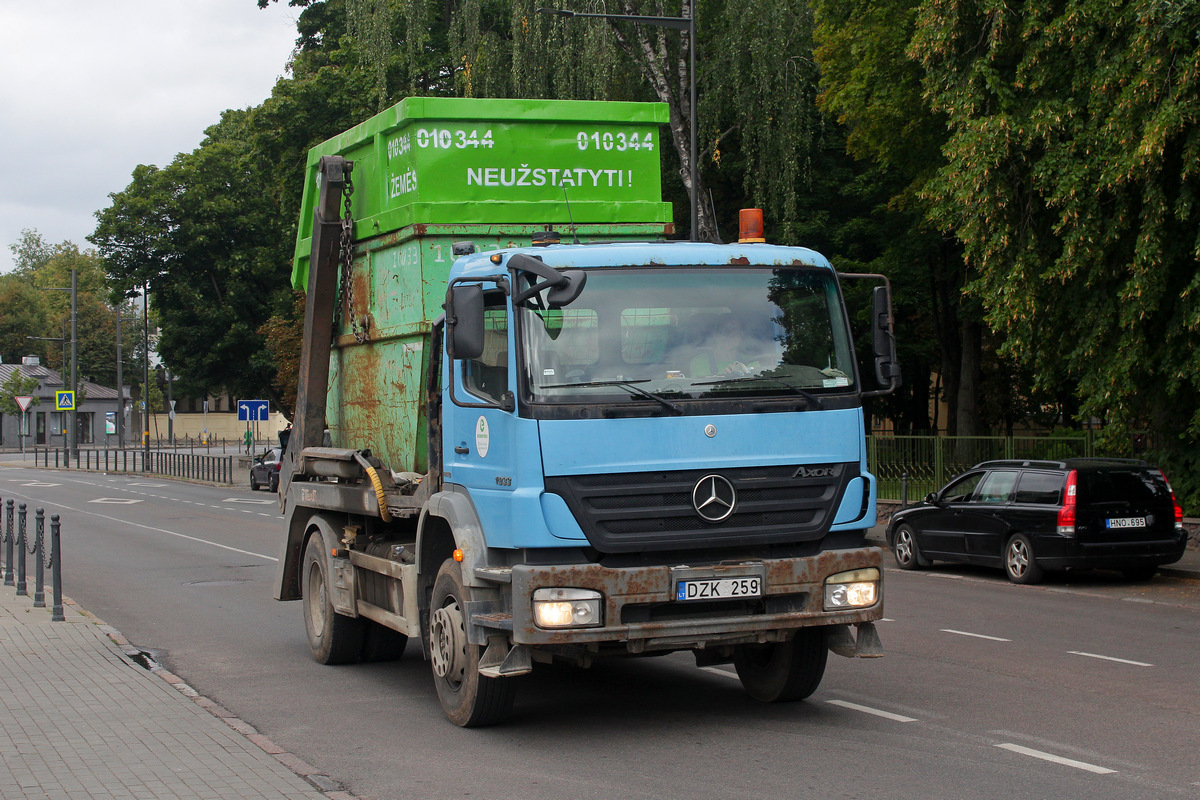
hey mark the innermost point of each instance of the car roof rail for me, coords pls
(1018, 462)
(1100, 461)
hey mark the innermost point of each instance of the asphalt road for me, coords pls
(1078, 688)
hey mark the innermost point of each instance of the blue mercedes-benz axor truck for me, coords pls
(531, 429)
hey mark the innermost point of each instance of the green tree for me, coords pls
(21, 316)
(877, 91)
(1071, 176)
(17, 385)
(208, 242)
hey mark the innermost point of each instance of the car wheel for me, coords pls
(334, 638)
(253, 483)
(468, 698)
(274, 483)
(1019, 563)
(905, 550)
(1139, 574)
(790, 670)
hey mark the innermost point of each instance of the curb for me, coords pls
(319, 780)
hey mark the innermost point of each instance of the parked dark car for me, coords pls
(1031, 516)
(265, 470)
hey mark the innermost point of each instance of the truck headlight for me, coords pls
(567, 608)
(857, 588)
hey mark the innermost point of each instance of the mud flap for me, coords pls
(499, 661)
(868, 644)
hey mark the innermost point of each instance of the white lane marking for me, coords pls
(266, 502)
(975, 635)
(1069, 762)
(1110, 658)
(159, 530)
(718, 671)
(151, 485)
(117, 501)
(874, 711)
(40, 485)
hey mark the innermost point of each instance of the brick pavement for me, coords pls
(81, 720)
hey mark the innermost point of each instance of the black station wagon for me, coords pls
(1032, 516)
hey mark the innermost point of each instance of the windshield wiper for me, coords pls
(627, 385)
(809, 396)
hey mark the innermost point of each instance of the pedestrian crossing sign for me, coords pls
(64, 401)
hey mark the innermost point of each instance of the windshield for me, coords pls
(691, 332)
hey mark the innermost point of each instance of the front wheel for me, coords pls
(469, 699)
(1019, 563)
(904, 548)
(789, 670)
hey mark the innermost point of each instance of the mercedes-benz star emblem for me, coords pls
(714, 498)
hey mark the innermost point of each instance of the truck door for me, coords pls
(480, 451)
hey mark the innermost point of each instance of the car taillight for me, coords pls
(277, 465)
(1174, 502)
(1066, 514)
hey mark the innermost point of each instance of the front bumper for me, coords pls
(641, 612)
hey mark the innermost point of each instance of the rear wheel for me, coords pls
(904, 548)
(1019, 563)
(253, 483)
(273, 483)
(333, 637)
(790, 670)
(468, 698)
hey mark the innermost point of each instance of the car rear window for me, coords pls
(1132, 485)
(1041, 488)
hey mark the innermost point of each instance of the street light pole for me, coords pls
(73, 435)
(146, 384)
(687, 24)
(121, 382)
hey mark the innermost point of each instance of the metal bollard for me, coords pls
(56, 614)
(39, 559)
(8, 543)
(21, 551)
(903, 490)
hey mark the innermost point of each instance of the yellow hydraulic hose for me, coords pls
(384, 514)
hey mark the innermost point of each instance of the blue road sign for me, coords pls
(64, 401)
(254, 410)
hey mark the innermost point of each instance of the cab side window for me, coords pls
(997, 487)
(487, 376)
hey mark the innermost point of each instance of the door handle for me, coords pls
(462, 450)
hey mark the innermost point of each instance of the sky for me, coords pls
(89, 89)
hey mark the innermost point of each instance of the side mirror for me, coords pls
(931, 498)
(887, 367)
(464, 321)
(564, 286)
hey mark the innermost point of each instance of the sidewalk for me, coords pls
(84, 721)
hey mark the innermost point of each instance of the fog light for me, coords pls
(857, 588)
(567, 608)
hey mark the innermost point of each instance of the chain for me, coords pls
(356, 325)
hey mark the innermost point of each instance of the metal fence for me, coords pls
(212, 468)
(14, 538)
(930, 461)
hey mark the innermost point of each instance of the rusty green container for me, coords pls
(430, 172)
